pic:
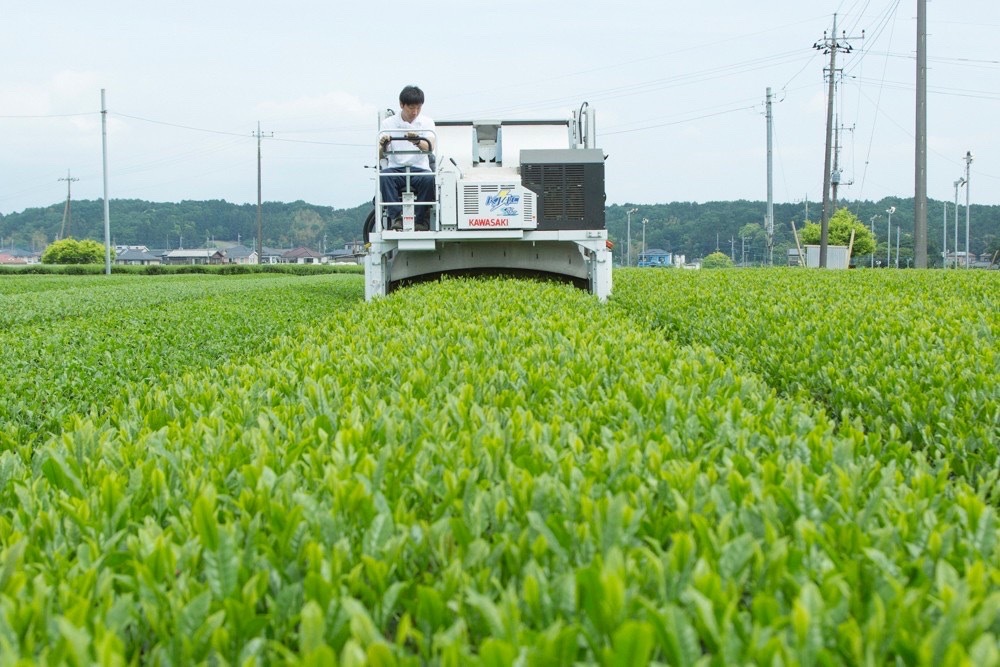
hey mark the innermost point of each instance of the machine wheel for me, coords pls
(369, 226)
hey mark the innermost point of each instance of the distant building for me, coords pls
(301, 255)
(119, 249)
(16, 256)
(351, 253)
(271, 255)
(194, 256)
(970, 260)
(655, 257)
(136, 257)
(240, 254)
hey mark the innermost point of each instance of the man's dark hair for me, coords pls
(411, 95)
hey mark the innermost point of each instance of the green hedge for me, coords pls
(168, 269)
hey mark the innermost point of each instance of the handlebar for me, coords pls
(410, 137)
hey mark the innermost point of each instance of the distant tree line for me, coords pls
(189, 224)
(734, 228)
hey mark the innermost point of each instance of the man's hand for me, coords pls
(415, 139)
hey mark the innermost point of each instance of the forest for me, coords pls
(735, 228)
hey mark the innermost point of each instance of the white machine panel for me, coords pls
(487, 205)
(455, 143)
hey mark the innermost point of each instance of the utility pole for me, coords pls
(835, 171)
(968, 163)
(835, 174)
(806, 202)
(959, 183)
(769, 219)
(830, 45)
(944, 239)
(897, 245)
(920, 170)
(874, 240)
(628, 233)
(67, 220)
(107, 210)
(260, 229)
(888, 237)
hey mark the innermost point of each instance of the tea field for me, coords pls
(714, 468)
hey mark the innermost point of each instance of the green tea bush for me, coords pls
(71, 343)
(912, 355)
(488, 472)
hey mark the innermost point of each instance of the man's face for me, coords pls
(409, 112)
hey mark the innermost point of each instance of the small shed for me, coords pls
(655, 257)
(836, 257)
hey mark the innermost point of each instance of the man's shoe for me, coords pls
(397, 224)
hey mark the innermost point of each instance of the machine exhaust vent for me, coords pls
(470, 200)
(561, 187)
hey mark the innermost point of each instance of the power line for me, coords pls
(233, 134)
(878, 102)
(679, 122)
(178, 125)
(51, 115)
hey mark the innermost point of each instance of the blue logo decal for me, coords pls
(505, 202)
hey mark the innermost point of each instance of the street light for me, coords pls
(644, 221)
(874, 239)
(888, 238)
(897, 246)
(944, 238)
(628, 233)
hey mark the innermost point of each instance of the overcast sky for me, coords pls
(678, 88)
